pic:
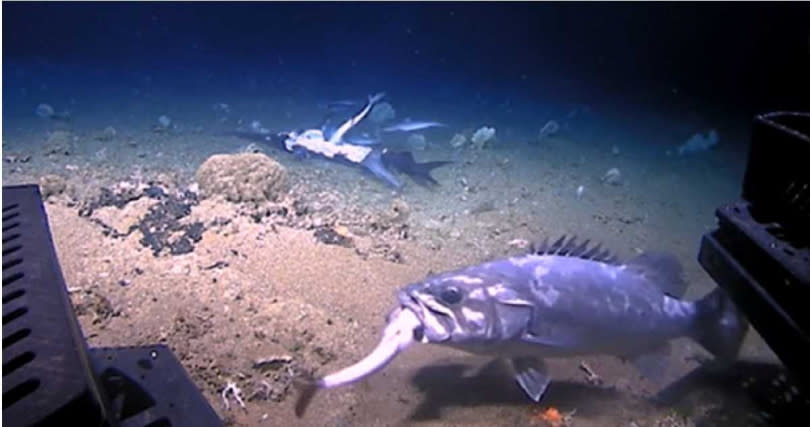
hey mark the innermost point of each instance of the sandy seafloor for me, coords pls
(253, 290)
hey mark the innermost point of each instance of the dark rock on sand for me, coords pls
(329, 236)
(161, 226)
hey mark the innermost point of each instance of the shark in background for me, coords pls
(412, 125)
(333, 144)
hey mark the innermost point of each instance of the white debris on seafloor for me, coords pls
(45, 111)
(273, 361)
(222, 107)
(698, 142)
(458, 140)
(519, 243)
(108, 134)
(549, 129)
(482, 136)
(237, 395)
(164, 121)
(580, 191)
(612, 177)
(256, 126)
(263, 391)
(592, 377)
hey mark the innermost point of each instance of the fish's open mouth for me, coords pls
(437, 320)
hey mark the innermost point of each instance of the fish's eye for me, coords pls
(450, 295)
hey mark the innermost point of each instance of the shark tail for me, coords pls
(404, 162)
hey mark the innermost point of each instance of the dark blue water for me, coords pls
(628, 83)
(505, 61)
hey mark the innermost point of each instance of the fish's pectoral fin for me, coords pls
(550, 337)
(653, 364)
(532, 375)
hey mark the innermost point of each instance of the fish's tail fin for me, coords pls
(720, 327)
(404, 162)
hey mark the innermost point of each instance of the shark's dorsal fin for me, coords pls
(568, 247)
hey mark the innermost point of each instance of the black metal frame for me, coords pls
(50, 376)
(760, 251)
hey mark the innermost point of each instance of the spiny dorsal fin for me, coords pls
(568, 247)
(663, 269)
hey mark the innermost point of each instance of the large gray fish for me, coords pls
(559, 300)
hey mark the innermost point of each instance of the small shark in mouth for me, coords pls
(559, 300)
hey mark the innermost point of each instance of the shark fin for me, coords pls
(404, 162)
(374, 163)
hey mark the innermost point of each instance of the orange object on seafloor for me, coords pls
(550, 416)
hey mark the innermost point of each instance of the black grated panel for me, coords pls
(760, 250)
(50, 377)
(45, 359)
(777, 176)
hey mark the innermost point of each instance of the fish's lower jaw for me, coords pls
(436, 328)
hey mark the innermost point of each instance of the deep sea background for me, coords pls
(627, 82)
